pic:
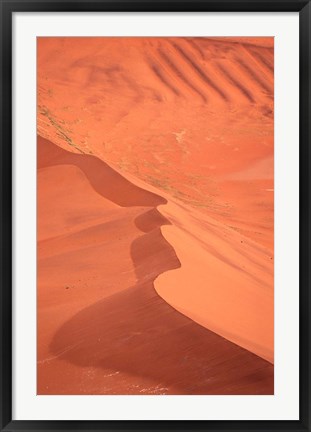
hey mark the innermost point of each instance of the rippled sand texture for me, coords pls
(155, 216)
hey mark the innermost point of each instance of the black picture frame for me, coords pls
(8, 7)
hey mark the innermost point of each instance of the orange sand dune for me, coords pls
(155, 215)
(102, 328)
(186, 115)
(225, 281)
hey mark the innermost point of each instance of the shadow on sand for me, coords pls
(135, 331)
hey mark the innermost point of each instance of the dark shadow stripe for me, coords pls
(261, 58)
(162, 78)
(180, 75)
(254, 76)
(201, 73)
(236, 83)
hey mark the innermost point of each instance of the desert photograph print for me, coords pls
(155, 210)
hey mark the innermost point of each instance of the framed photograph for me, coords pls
(155, 224)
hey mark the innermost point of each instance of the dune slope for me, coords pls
(102, 327)
(155, 215)
(186, 115)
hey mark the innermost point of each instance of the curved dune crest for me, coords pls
(103, 179)
(225, 281)
(155, 215)
(182, 114)
(102, 323)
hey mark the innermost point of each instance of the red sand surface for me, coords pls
(155, 216)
